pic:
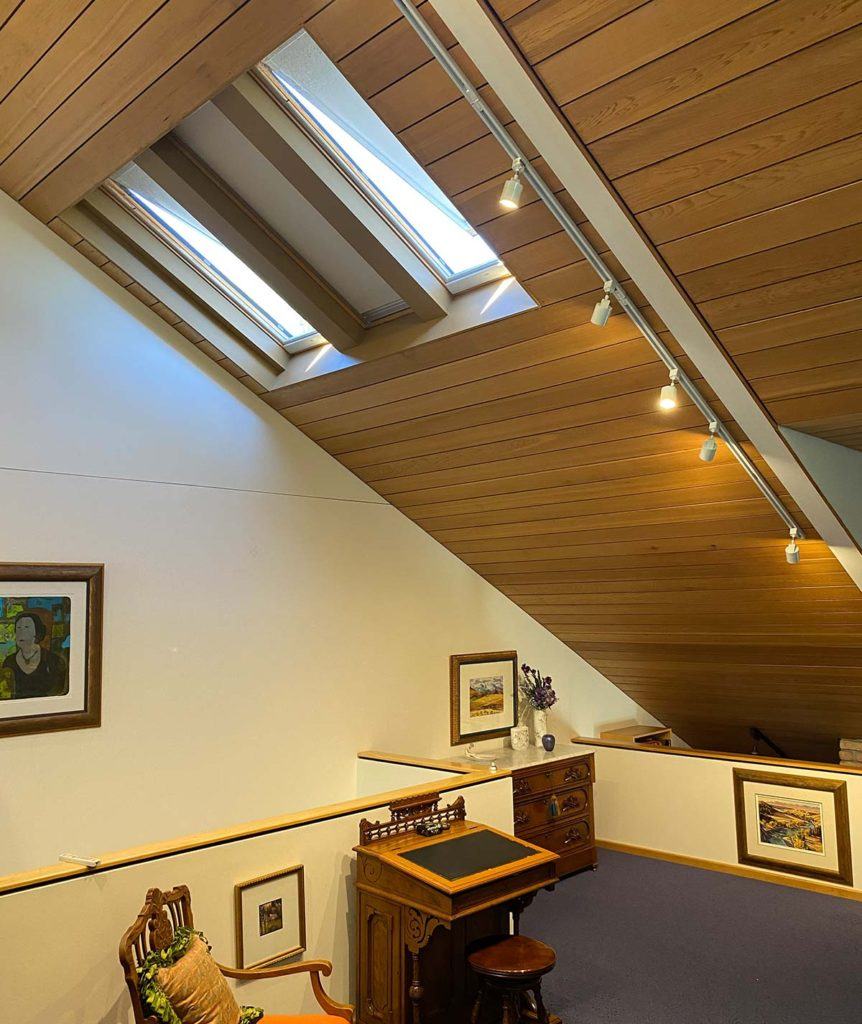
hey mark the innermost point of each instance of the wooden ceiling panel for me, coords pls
(813, 218)
(732, 77)
(732, 134)
(90, 94)
(635, 40)
(739, 153)
(787, 135)
(534, 451)
(27, 32)
(89, 41)
(344, 25)
(543, 27)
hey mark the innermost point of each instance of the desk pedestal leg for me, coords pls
(419, 927)
(416, 990)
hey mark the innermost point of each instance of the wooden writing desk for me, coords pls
(422, 901)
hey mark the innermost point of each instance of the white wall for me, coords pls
(266, 614)
(59, 943)
(837, 471)
(684, 805)
(381, 776)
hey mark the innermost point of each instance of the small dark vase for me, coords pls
(548, 742)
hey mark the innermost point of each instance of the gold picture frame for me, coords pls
(799, 824)
(483, 689)
(262, 910)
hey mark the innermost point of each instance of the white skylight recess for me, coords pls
(210, 257)
(350, 131)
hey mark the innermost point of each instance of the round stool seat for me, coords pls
(513, 958)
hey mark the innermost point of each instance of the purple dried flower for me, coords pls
(537, 689)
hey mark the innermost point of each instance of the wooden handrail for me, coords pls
(719, 755)
(52, 873)
(440, 764)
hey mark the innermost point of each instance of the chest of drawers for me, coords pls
(553, 808)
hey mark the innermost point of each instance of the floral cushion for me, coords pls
(182, 984)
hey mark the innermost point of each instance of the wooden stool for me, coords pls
(512, 967)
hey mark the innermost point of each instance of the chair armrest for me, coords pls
(323, 967)
(313, 967)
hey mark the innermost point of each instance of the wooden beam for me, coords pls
(276, 137)
(207, 199)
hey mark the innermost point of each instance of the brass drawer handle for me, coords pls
(521, 818)
(575, 774)
(521, 787)
(574, 836)
(572, 803)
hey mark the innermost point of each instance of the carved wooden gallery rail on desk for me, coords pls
(429, 897)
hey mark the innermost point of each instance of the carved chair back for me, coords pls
(153, 930)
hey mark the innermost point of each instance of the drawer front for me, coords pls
(546, 780)
(571, 803)
(566, 837)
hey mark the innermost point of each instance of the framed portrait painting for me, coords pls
(50, 647)
(794, 823)
(270, 917)
(483, 697)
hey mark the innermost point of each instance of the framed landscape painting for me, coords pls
(483, 695)
(793, 823)
(50, 647)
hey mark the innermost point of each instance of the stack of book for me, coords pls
(850, 752)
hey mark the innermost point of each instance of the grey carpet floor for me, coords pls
(643, 941)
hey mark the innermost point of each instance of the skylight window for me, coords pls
(377, 163)
(213, 260)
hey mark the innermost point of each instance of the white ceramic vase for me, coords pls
(520, 737)
(540, 726)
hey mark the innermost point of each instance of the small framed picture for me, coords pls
(50, 647)
(483, 695)
(270, 917)
(793, 823)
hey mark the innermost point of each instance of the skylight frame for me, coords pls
(372, 193)
(292, 344)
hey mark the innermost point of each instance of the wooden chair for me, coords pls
(154, 930)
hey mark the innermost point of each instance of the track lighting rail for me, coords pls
(612, 286)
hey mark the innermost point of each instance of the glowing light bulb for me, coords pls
(668, 399)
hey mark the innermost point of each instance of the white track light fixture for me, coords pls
(522, 167)
(791, 552)
(669, 399)
(710, 446)
(602, 312)
(510, 197)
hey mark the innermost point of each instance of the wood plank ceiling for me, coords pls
(85, 85)
(732, 132)
(532, 448)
